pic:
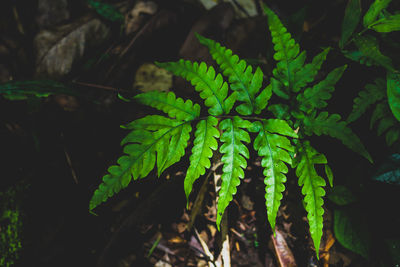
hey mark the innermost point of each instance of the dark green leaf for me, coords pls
(351, 231)
(352, 16)
(369, 46)
(393, 93)
(341, 195)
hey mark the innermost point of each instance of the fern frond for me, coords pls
(272, 145)
(286, 51)
(204, 144)
(307, 73)
(312, 183)
(332, 126)
(149, 136)
(239, 73)
(234, 158)
(212, 87)
(168, 103)
(366, 98)
(316, 96)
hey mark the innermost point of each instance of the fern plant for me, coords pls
(237, 110)
(384, 92)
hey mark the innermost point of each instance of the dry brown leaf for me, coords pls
(282, 250)
(59, 49)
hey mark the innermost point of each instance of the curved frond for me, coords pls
(149, 136)
(312, 183)
(316, 96)
(367, 97)
(170, 104)
(239, 73)
(204, 144)
(332, 126)
(212, 87)
(273, 145)
(234, 158)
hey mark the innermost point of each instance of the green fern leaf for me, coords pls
(332, 126)
(312, 183)
(369, 46)
(286, 51)
(239, 73)
(373, 11)
(168, 103)
(357, 56)
(212, 87)
(307, 73)
(204, 144)
(273, 146)
(316, 96)
(351, 18)
(381, 110)
(149, 135)
(366, 98)
(386, 122)
(393, 93)
(234, 160)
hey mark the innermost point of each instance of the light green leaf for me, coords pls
(329, 174)
(212, 87)
(139, 158)
(312, 183)
(388, 24)
(351, 18)
(239, 73)
(234, 158)
(204, 144)
(168, 103)
(332, 126)
(393, 93)
(273, 146)
(373, 12)
(262, 99)
(366, 98)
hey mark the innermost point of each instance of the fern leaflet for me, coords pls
(332, 126)
(312, 189)
(149, 136)
(234, 158)
(168, 103)
(204, 144)
(366, 98)
(316, 96)
(240, 76)
(273, 145)
(212, 88)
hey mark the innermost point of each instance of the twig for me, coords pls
(101, 86)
